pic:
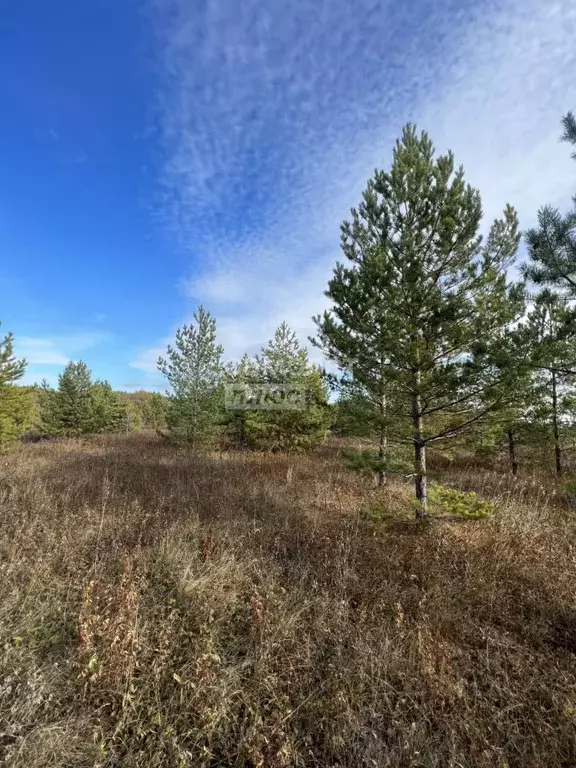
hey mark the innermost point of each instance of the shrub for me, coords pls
(16, 413)
(466, 504)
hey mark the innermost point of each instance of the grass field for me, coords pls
(158, 609)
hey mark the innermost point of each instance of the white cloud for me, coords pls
(500, 110)
(147, 359)
(262, 299)
(31, 378)
(274, 117)
(47, 352)
(40, 351)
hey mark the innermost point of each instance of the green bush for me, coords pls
(466, 504)
(365, 462)
(16, 414)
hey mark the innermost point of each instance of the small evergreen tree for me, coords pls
(300, 418)
(282, 362)
(68, 410)
(16, 413)
(153, 410)
(11, 369)
(426, 294)
(133, 420)
(508, 425)
(241, 380)
(108, 412)
(195, 372)
(16, 404)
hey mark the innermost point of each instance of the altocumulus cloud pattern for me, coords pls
(273, 115)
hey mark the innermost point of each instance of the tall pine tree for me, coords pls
(422, 289)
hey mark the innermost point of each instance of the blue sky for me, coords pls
(155, 156)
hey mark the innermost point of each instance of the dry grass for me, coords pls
(160, 610)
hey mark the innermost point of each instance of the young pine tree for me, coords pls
(242, 380)
(425, 293)
(133, 420)
(11, 369)
(194, 370)
(302, 418)
(508, 426)
(16, 404)
(153, 410)
(68, 410)
(108, 413)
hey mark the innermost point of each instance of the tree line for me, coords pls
(435, 336)
(78, 406)
(210, 404)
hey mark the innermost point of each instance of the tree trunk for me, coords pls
(555, 428)
(512, 452)
(382, 444)
(420, 478)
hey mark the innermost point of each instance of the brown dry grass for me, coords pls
(161, 610)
